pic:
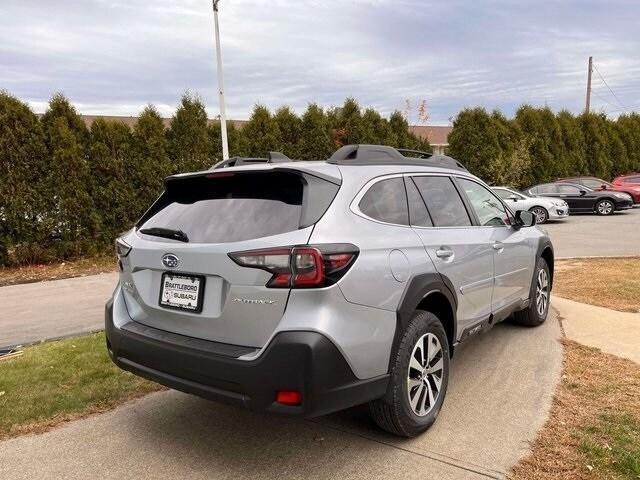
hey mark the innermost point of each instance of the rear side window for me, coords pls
(231, 207)
(443, 201)
(546, 188)
(386, 201)
(418, 214)
(570, 189)
(592, 183)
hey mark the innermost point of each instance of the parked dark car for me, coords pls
(582, 199)
(596, 184)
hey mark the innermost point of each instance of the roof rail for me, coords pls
(272, 157)
(386, 155)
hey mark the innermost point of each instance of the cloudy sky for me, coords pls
(115, 56)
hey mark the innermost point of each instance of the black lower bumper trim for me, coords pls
(304, 361)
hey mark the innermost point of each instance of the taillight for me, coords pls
(122, 248)
(309, 266)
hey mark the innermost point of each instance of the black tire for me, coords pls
(605, 207)
(531, 316)
(393, 412)
(540, 213)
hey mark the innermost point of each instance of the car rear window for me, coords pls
(231, 207)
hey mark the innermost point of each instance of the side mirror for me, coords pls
(583, 192)
(513, 198)
(603, 187)
(525, 218)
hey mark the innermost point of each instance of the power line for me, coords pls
(607, 85)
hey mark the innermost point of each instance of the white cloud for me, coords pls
(115, 56)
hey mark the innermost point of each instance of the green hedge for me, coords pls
(538, 145)
(67, 191)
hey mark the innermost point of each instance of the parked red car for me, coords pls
(595, 183)
(631, 179)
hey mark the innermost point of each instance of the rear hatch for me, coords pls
(178, 275)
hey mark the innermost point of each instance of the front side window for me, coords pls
(507, 194)
(443, 201)
(386, 201)
(488, 208)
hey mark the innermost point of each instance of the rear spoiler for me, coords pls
(272, 157)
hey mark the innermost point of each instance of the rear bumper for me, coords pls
(303, 361)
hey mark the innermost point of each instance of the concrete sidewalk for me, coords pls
(39, 311)
(501, 388)
(611, 331)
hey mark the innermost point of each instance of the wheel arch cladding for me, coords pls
(431, 292)
(545, 251)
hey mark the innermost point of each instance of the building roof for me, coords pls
(437, 135)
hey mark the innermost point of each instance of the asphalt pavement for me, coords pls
(596, 236)
(45, 310)
(499, 395)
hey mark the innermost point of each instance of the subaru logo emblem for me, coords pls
(170, 260)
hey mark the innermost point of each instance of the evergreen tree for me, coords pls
(512, 167)
(188, 136)
(238, 143)
(73, 219)
(348, 128)
(595, 131)
(315, 140)
(543, 136)
(260, 132)
(113, 190)
(149, 161)
(375, 129)
(23, 167)
(617, 150)
(288, 126)
(572, 156)
(629, 130)
(474, 141)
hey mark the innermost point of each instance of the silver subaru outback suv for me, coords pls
(308, 287)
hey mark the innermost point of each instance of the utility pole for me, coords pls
(588, 105)
(223, 114)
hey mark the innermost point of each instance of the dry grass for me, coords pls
(55, 271)
(593, 431)
(607, 282)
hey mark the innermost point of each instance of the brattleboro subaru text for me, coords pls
(308, 287)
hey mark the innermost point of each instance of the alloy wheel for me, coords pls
(605, 207)
(425, 373)
(540, 214)
(542, 292)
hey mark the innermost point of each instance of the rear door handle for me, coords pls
(444, 253)
(498, 246)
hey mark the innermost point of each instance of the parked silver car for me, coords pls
(308, 287)
(544, 208)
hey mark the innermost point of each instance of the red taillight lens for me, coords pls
(289, 397)
(300, 267)
(308, 267)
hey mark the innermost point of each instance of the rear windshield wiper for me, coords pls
(166, 233)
